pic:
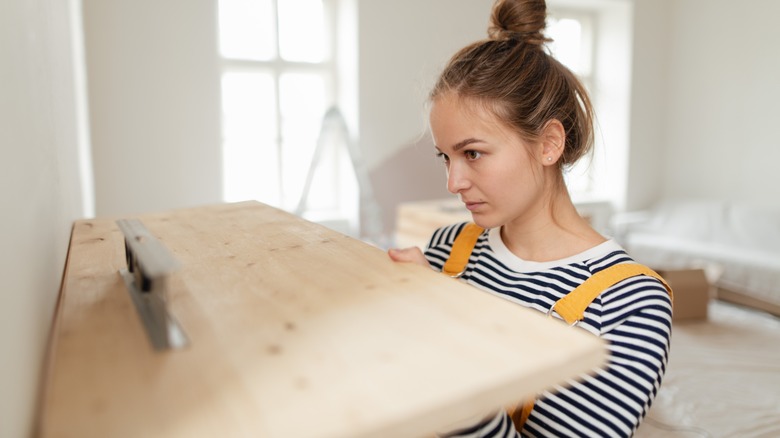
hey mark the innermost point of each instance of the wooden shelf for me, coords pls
(295, 330)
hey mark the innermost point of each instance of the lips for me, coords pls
(471, 206)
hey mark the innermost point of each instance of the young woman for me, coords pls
(507, 119)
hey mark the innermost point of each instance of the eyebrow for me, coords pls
(462, 144)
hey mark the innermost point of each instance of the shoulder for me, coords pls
(636, 292)
(617, 265)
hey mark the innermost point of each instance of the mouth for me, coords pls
(471, 206)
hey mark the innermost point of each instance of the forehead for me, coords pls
(454, 105)
(454, 118)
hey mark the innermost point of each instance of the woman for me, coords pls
(507, 119)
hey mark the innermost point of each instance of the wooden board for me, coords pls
(295, 331)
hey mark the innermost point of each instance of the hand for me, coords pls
(408, 255)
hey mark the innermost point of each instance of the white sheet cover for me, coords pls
(723, 378)
(754, 273)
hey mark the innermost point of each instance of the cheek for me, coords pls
(515, 169)
(515, 178)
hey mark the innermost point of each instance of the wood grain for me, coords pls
(295, 331)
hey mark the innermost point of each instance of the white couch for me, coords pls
(738, 241)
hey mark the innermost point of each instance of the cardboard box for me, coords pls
(691, 293)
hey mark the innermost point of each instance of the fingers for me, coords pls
(408, 255)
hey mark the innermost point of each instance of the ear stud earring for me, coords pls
(549, 158)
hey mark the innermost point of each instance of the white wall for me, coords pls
(611, 97)
(705, 101)
(154, 104)
(722, 108)
(402, 47)
(41, 190)
(649, 97)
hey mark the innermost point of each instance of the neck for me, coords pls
(553, 231)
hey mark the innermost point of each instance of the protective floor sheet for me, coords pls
(723, 378)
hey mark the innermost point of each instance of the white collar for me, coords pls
(517, 264)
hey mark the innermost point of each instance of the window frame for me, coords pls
(580, 177)
(276, 67)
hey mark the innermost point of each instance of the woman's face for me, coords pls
(492, 170)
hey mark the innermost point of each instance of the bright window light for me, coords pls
(250, 154)
(302, 103)
(302, 34)
(567, 42)
(247, 29)
(573, 39)
(278, 81)
(572, 42)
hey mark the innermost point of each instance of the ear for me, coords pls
(553, 139)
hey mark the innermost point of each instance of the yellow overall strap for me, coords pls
(461, 250)
(519, 413)
(572, 306)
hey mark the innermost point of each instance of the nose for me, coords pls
(457, 178)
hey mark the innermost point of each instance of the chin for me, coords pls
(484, 222)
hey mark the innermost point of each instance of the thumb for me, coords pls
(408, 255)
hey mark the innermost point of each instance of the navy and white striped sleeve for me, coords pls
(499, 426)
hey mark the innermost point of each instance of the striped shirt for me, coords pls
(633, 316)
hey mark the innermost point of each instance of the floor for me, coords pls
(723, 378)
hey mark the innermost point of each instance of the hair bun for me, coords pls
(521, 19)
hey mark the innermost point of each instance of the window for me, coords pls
(278, 80)
(573, 35)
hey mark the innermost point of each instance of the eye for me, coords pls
(443, 157)
(472, 155)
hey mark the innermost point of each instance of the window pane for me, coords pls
(250, 172)
(302, 30)
(302, 103)
(250, 153)
(247, 29)
(567, 44)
